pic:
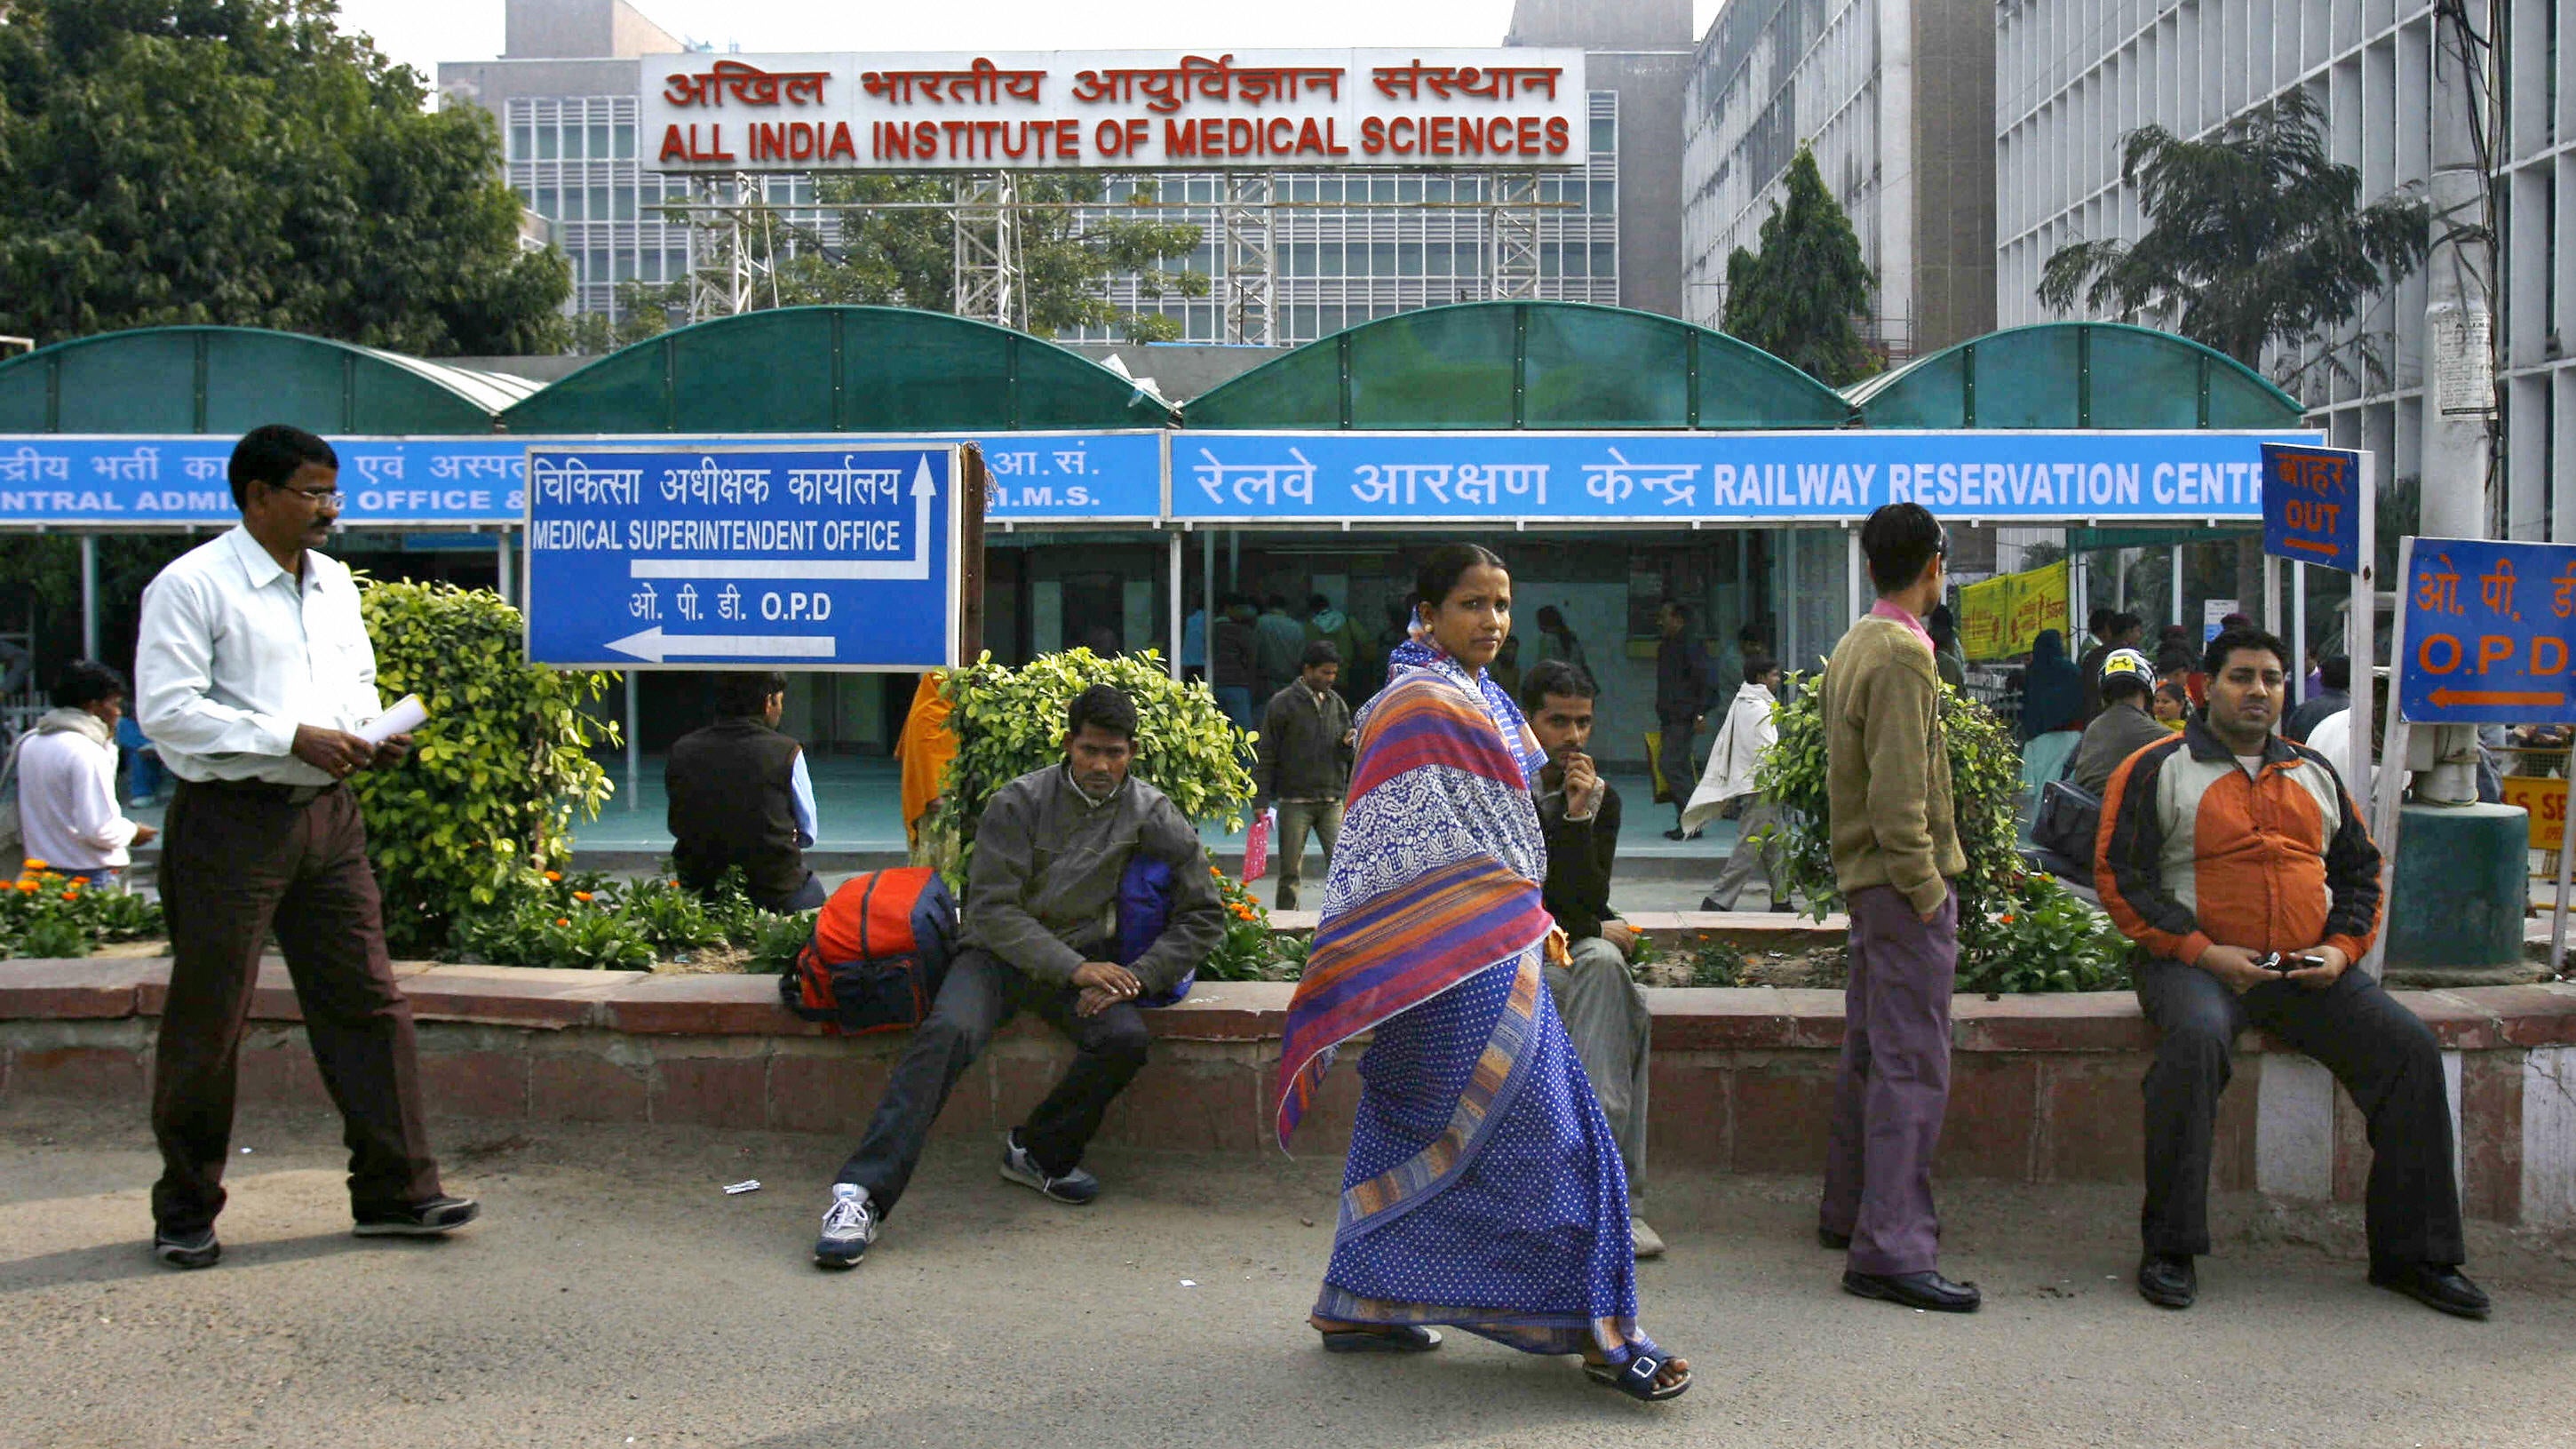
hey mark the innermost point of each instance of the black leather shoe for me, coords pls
(2437, 1286)
(1832, 1241)
(2167, 1280)
(1928, 1291)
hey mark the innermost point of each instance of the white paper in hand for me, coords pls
(408, 714)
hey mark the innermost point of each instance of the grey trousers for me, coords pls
(1296, 817)
(1605, 1013)
(1895, 1083)
(1750, 860)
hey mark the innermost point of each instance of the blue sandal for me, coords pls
(1636, 1378)
(1396, 1338)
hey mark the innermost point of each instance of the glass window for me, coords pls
(1436, 256)
(1604, 200)
(599, 203)
(1436, 189)
(1329, 258)
(651, 266)
(1382, 259)
(594, 268)
(623, 198)
(546, 143)
(1605, 259)
(1408, 259)
(523, 142)
(1605, 135)
(599, 141)
(625, 266)
(625, 140)
(546, 204)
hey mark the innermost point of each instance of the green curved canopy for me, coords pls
(838, 369)
(2074, 375)
(1500, 365)
(232, 379)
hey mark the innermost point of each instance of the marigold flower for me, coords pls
(28, 886)
(560, 921)
(34, 864)
(554, 875)
(581, 895)
(2007, 920)
(71, 895)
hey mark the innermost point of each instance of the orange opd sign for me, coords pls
(2486, 629)
(2546, 799)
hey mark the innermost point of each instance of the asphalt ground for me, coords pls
(613, 1296)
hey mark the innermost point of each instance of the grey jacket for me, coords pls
(1042, 893)
(1300, 755)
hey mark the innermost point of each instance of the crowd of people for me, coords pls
(1495, 1163)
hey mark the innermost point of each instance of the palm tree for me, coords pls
(2255, 234)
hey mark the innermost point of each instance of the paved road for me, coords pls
(614, 1297)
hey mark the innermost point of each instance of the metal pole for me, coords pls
(2361, 620)
(2388, 802)
(2272, 595)
(1174, 553)
(1233, 558)
(501, 565)
(1207, 603)
(2176, 550)
(1853, 571)
(2558, 917)
(2299, 621)
(89, 595)
(634, 749)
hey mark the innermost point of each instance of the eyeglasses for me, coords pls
(318, 497)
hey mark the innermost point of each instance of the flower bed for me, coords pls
(51, 914)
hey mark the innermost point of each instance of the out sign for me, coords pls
(2312, 505)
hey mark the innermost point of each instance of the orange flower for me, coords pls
(33, 865)
(581, 895)
(2007, 920)
(71, 895)
(554, 875)
(560, 921)
(28, 886)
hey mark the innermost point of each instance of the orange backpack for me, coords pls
(878, 954)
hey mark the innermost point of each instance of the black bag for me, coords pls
(2068, 819)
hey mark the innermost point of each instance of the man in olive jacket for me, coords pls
(1039, 927)
(1896, 850)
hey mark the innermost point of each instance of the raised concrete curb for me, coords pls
(2044, 1088)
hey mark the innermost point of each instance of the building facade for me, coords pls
(1888, 94)
(2074, 76)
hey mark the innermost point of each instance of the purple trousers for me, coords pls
(1895, 1082)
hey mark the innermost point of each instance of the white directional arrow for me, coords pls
(915, 568)
(653, 646)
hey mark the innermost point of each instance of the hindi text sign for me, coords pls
(2486, 631)
(2311, 505)
(763, 557)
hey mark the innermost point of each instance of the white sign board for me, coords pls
(2211, 612)
(1115, 110)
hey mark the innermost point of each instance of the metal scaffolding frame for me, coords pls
(990, 283)
(1247, 225)
(1512, 235)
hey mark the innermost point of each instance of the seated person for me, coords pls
(1596, 994)
(66, 767)
(1038, 932)
(2124, 726)
(740, 796)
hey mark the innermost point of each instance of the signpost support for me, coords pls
(89, 595)
(974, 485)
(2558, 914)
(2176, 551)
(2299, 622)
(2361, 621)
(501, 565)
(1172, 543)
(634, 746)
(2272, 599)
(2387, 805)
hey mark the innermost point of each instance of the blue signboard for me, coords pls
(1832, 476)
(58, 480)
(765, 556)
(2312, 505)
(2486, 629)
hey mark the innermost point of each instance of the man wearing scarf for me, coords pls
(66, 776)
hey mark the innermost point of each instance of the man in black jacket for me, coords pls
(1302, 763)
(1039, 926)
(740, 796)
(1596, 994)
(1684, 690)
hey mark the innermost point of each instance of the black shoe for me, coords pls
(186, 1250)
(1833, 1242)
(1928, 1291)
(1710, 903)
(1674, 834)
(2167, 1280)
(2437, 1286)
(420, 1220)
(1076, 1187)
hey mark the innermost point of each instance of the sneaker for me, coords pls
(427, 1219)
(186, 1250)
(1647, 1242)
(1076, 1187)
(849, 1225)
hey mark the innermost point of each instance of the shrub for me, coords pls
(589, 921)
(1009, 722)
(1985, 791)
(1248, 951)
(486, 799)
(48, 914)
(2047, 939)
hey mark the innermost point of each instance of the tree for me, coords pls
(891, 241)
(1798, 300)
(243, 162)
(2256, 235)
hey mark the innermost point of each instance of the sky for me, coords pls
(423, 34)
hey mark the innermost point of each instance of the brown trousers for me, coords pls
(235, 861)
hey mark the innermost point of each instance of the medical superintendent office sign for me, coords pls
(1115, 110)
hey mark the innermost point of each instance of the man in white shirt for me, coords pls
(252, 669)
(66, 772)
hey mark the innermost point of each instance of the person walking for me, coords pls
(65, 769)
(1233, 663)
(1895, 851)
(1683, 694)
(2238, 859)
(1278, 640)
(1483, 1188)
(1301, 763)
(252, 670)
(1760, 845)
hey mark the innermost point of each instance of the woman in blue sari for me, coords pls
(1483, 1188)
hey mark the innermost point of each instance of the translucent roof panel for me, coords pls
(232, 379)
(2074, 375)
(1504, 365)
(838, 369)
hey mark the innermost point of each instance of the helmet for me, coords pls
(2128, 664)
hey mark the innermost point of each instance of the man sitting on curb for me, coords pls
(1038, 929)
(1303, 764)
(65, 769)
(740, 796)
(1596, 995)
(2241, 862)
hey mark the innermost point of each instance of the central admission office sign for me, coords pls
(1116, 110)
